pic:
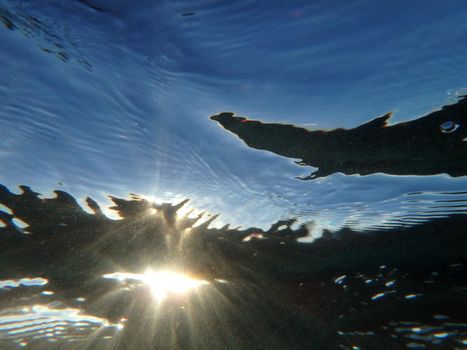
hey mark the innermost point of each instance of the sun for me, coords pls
(165, 283)
(162, 283)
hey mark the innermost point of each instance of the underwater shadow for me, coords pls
(264, 289)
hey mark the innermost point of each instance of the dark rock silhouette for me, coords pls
(433, 144)
(346, 289)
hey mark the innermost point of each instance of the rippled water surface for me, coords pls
(316, 219)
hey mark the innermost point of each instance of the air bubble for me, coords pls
(448, 127)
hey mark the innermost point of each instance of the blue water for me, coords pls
(103, 97)
(127, 111)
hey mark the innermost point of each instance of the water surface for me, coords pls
(110, 98)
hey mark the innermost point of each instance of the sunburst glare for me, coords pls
(164, 283)
(161, 283)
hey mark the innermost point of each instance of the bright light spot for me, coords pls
(340, 279)
(20, 223)
(441, 335)
(254, 235)
(6, 209)
(164, 283)
(161, 283)
(410, 296)
(23, 282)
(390, 283)
(377, 296)
(220, 280)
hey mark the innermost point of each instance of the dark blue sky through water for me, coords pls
(116, 97)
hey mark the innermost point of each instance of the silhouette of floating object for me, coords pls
(430, 145)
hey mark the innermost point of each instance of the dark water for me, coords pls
(346, 224)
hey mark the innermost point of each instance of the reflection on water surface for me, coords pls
(36, 324)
